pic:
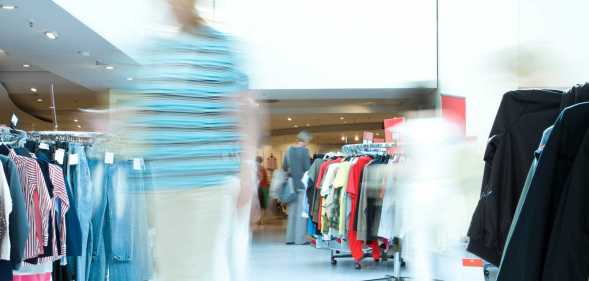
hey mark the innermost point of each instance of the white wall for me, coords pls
(317, 44)
(477, 59)
(490, 47)
(295, 44)
(553, 43)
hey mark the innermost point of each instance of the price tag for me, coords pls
(14, 120)
(59, 156)
(44, 146)
(73, 159)
(472, 270)
(109, 158)
(137, 164)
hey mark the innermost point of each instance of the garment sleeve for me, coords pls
(18, 223)
(485, 230)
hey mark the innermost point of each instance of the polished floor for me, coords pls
(272, 260)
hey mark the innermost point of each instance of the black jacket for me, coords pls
(575, 95)
(516, 132)
(525, 254)
(567, 257)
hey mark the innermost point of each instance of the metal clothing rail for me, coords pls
(70, 136)
(367, 148)
(10, 135)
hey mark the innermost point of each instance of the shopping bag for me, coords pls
(282, 187)
(279, 177)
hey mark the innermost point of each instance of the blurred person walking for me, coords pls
(296, 162)
(189, 116)
(263, 188)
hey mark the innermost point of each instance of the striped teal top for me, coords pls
(184, 121)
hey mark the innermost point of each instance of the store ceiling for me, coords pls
(78, 54)
(75, 62)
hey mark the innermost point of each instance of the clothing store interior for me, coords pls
(221, 140)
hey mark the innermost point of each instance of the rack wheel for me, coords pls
(333, 261)
(358, 266)
(403, 263)
(486, 272)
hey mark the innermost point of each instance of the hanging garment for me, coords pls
(525, 252)
(5, 211)
(18, 220)
(340, 184)
(83, 193)
(38, 203)
(386, 228)
(566, 258)
(312, 193)
(577, 94)
(356, 246)
(522, 117)
(370, 203)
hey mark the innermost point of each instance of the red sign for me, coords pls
(454, 111)
(391, 126)
(368, 137)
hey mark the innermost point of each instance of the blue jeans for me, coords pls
(119, 223)
(82, 191)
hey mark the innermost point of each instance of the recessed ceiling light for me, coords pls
(308, 125)
(289, 119)
(129, 78)
(341, 118)
(343, 138)
(26, 65)
(7, 7)
(109, 67)
(39, 100)
(378, 134)
(296, 126)
(51, 35)
(76, 120)
(34, 90)
(79, 126)
(356, 138)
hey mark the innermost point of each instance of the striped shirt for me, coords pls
(38, 203)
(61, 199)
(184, 108)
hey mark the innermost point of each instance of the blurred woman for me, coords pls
(296, 162)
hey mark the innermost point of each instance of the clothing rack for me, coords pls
(66, 136)
(367, 148)
(10, 135)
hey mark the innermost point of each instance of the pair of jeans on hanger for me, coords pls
(119, 222)
(81, 188)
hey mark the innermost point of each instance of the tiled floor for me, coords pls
(272, 260)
